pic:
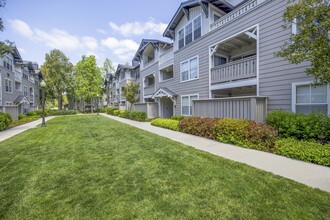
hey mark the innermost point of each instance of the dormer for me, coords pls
(12, 59)
(149, 52)
(192, 20)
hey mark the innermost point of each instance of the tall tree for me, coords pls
(107, 66)
(130, 92)
(311, 42)
(87, 79)
(56, 71)
(5, 46)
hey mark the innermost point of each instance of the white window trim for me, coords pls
(193, 29)
(294, 94)
(11, 86)
(189, 95)
(188, 60)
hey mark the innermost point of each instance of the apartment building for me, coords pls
(19, 84)
(221, 63)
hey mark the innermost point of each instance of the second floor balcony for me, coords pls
(149, 90)
(238, 70)
(18, 76)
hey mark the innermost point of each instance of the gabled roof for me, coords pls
(183, 10)
(21, 99)
(17, 55)
(144, 43)
(163, 92)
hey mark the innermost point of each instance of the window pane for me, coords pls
(185, 110)
(303, 89)
(185, 101)
(181, 38)
(303, 93)
(319, 108)
(197, 28)
(184, 71)
(305, 109)
(319, 94)
(188, 33)
(193, 68)
(303, 99)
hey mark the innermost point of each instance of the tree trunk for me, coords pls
(92, 105)
(59, 98)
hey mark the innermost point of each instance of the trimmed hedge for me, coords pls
(110, 110)
(21, 116)
(24, 120)
(203, 127)
(166, 123)
(177, 117)
(315, 126)
(310, 151)
(245, 133)
(61, 112)
(136, 115)
(5, 120)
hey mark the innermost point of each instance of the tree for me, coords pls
(87, 79)
(5, 46)
(107, 66)
(56, 71)
(312, 41)
(130, 92)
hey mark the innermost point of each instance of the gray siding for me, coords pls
(152, 68)
(275, 74)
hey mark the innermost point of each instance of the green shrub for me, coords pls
(315, 126)
(177, 117)
(102, 110)
(39, 112)
(166, 123)
(31, 113)
(203, 127)
(310, 151)
(61, 112)
(122, 113)
(116, 112)
(245, 133)
(5, 120)
(110, 110)
(21, 116)
(136, 115)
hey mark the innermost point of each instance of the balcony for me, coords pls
(166, 59)
(233, 15)
(149, 90)
(238, 70)
(248, 107)
(18, 76)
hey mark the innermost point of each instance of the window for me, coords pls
(8, 63)
(8, 85)
(25, 91)
(189, 69)
(25, 73)
(181, 38)
(186, 104)
(188, 33)
(197, 28)
(309, 98)
(216, 17)
(219, 60)
(9, 103)
(192, 31)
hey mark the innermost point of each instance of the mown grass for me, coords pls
(91, 167)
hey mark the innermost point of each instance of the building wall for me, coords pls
(275, 74)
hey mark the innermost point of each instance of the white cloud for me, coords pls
(150, 27)
(90, 42)
(21, 50)
(123, 49)
(21, 27)
(101, 31)
(58, 39)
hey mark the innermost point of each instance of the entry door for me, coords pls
(167, 108)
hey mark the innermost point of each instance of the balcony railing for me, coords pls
(166, 59)
(149, 90)
(238, 70)
(18, 76)
(238, 12)
(252, 108)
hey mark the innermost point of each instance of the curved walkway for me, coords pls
(309, 174)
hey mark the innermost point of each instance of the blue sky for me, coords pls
(104, 28)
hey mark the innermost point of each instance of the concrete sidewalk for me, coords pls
(310, 174)
(21, 128)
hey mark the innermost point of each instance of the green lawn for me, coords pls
(91, 167)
